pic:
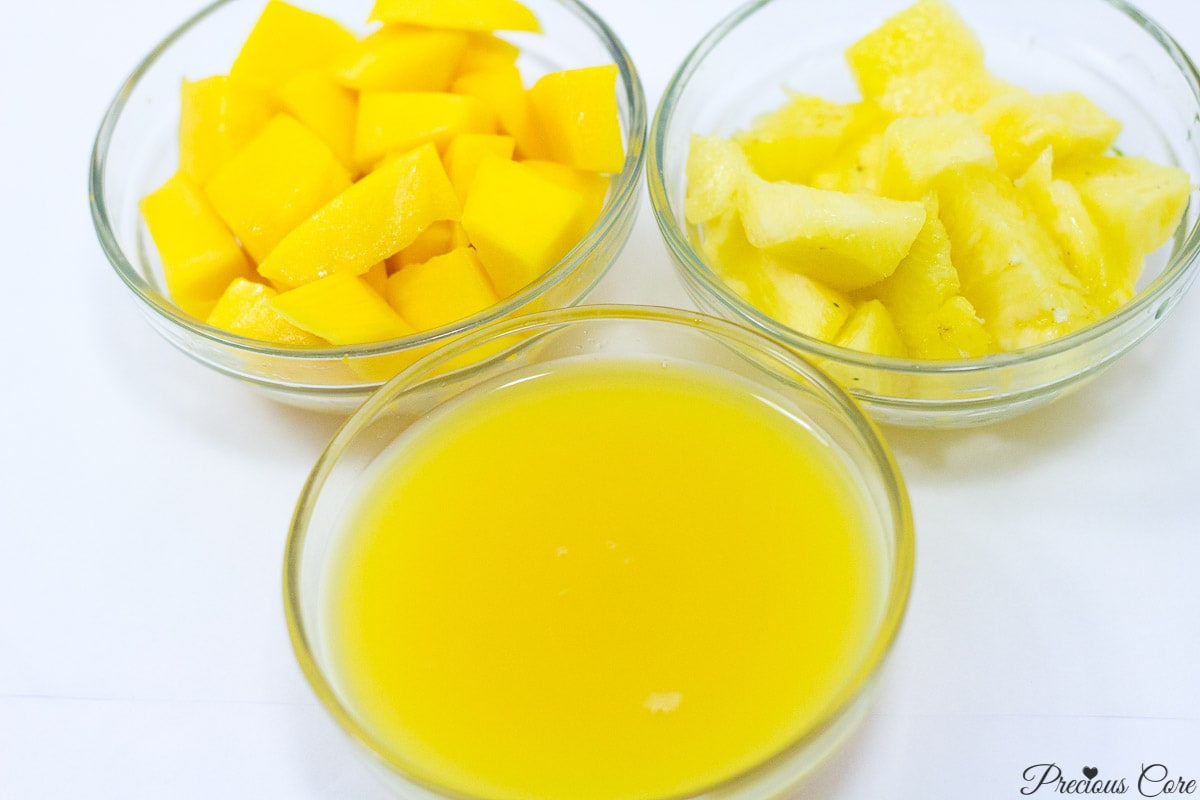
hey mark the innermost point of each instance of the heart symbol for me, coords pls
(1090, 772)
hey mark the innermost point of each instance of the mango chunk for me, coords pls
(437, 239)
(845, 241)
(520, 222)
(199, 253)
(342, 309)
(286, 40)
(1021, 125)
(592, 186)
(871, 329)
(402, 59)
(466, 151)
(796, 141)
(399, 121)
(487, 52)
(273, 183)
(577, 111)
(916, 150)
(501, 89)
(376, 217)
(442, 290)
(245, 309)
(324, 107)
(217, 117)
(472, 15)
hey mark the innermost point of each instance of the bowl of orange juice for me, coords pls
(602, 552)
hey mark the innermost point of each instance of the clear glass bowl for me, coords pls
(136, 150)
(1105, 48)
(514, 348)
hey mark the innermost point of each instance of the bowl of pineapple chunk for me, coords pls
(309, 196)
(960, 209)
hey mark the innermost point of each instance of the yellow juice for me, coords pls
(610, 579)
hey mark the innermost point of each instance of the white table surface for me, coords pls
(144, 500)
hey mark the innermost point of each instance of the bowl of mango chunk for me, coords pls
(961, 209)
(310, 197)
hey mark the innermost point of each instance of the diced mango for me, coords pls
(401, 59)
(342, 309)
(325, 107)
(715, 168)
(199, 253)
(1022, 125)
(577, 111)
(438, 239)
(870, 329)
(286, 40)
(591, 185)
(466, 151)
(399, 121)
(217, 117)
(273, 183)
(245, 309)
(796, 141)
(473, 15)
(520, 221)
(487, 52)
(916, 150)
(442, 290)
(376, 277)
(845, 241)
(376, 217)
(504, 93)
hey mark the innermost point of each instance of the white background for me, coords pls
(144, 502)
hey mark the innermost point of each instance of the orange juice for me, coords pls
(606, 579)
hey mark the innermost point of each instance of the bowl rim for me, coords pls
(621, 202)
(1179, 271)
(900, 538)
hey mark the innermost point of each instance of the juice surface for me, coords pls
(610, 579)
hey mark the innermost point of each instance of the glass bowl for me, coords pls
(1106, 49)
(136, 150)
(512, 350)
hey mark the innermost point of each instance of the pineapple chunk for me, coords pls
(715, 168)
(870, 329)
(940, 90)
(286, 40)
(199, 254)
(845, 241)
(955, 331)
(217, 117)
(245, 309)
(365, 224)
(466, 151)
(442, 290)
(472, 15)
(916, 150)
(520, 222)
(401, 59)
(342, 309)
(274, 183)
(855, 164)
(1022, 125)
(796, 141)
(396, 122)
(577, 111)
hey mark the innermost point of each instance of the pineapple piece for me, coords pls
(1061, 211)
(438, 239)
(275, 182)
(342, 309)
(955, 331)
(715, 168)
(871, 329)
(286, 40)
(217, 117)
(520, 222)
(245, 309)
(1022, 125)
(486, 52)
(376, 217)
(845, 241)
(401, 59)
(798, 140)
(199, 254)
(916, 150)
(940, 89)
(856, 163)
(466, 151)
(501, 89)
(442, 290)
(325, 107)
(577, 112)
(1135, 204)
(471, 15)
(400, 121)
